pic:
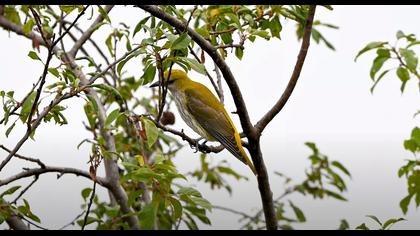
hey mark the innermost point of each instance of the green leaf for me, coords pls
(377, 65)
(89, 221)
(104, 14)
(10, 130)
(378, 79)
(107, 88)
(148, 216)
(27, 27)
(410, 58)
(189, 191)
(151, 132)
(181, 42)
(404, 76)
(86, 193)
(344, 225)
(177, 208)
(201, 202)
(375, 219)
(390, 222)
(275, 27)
(400, 34)
(405, 202)
(9, 191)
(341, 167)
(27, 106)
(370, 46)
(362, 227)
(54, 72)
(149, 74)
(67, 8)
(139, 25)
(34, 55)
(112, 116)
(410, 145)
(239, 53)
(298, 212)
(197, 66)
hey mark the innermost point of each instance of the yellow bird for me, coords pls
(205, 114)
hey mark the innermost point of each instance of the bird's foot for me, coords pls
(196, 141)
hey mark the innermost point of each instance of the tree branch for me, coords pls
(88, 33)
(111, 167)
(295, 75)
(247, 127)
(51, 169)
(16, 223)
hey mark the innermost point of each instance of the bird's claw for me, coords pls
(196, 141)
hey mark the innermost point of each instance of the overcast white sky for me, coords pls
(331, 106)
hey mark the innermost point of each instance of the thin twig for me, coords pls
(72, 222)
(25, 189)
(219, 83)
(92, 195)
(39, 162)
(88, 33)
(293, 79)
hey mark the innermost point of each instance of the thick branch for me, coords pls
(111, 167)
(88, 33)
(16, 223)
(247, 127)
(293, 79)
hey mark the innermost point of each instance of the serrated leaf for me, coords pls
(410, 145)
(27, 106)
(181, 42)
(370, 46)
(34, 55)
(151, 132)
(112, 116)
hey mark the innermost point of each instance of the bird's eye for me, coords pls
(171, 81)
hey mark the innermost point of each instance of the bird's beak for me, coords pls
(154, 84)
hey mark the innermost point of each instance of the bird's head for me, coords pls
(175, 80)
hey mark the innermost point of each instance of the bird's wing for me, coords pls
(201, 105)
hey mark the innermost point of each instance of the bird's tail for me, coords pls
(246, 159)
